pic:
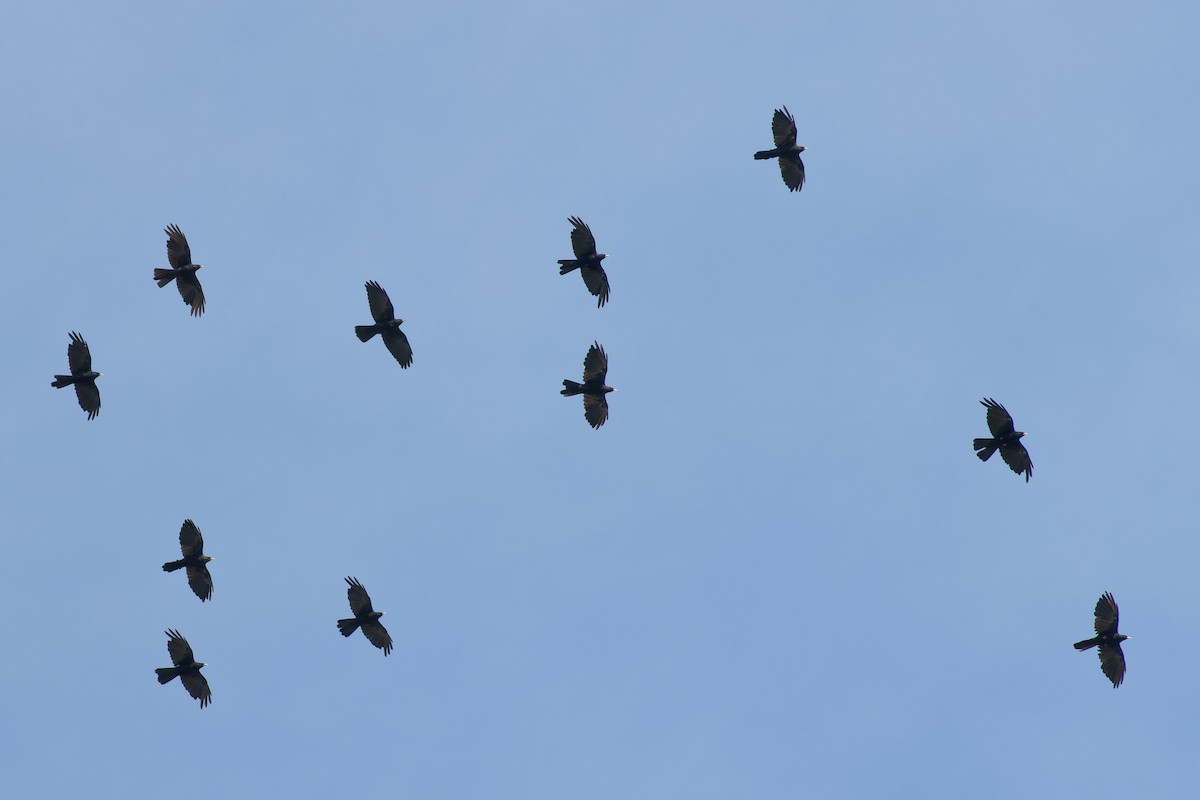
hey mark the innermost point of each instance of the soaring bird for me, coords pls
(365, 617)
(79, 358)
(182, 271)
(593, 388)
(1005, 439)
(186, 667)
(1112, 660)
(386, 325)
(586, 260)
(192, 545)
(783, 129)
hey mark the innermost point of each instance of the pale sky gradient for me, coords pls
(777, 572)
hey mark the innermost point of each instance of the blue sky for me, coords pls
(778, 571)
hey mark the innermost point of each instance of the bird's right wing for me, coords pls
(178, 251)
(999, 421)
(595, 409)
(1112, 661)
(1107, 614)
(595, 364)
(179, 649)
(89, 397)
(200, 579)
(380, 303)
(360, 601)
(377, 635)
(582, 241)
(397, 344)
(190, 540)
(79, 357)
(783, 127)
(197, 687)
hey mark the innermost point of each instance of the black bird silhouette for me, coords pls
(586, 260)
(1005, 439)
(593, 388)
(365, 617)
(182, 271)
(783, 129)
(1112, 659)
(192, 545)
(186, 668)
(79, 358)
(386, 325)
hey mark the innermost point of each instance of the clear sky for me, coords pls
(778, 571)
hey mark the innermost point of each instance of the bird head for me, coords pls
(207, 559)
(601, 256)
(1018, 434)
(800, 148)
(201, 664)
(606, 389)
(1122, 637)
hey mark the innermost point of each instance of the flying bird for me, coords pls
(365, 617)
(593, 388)
(192, 545)
(1005, 439)
(182, 271)
(1112, 660)
(783, 129)
(79, 359)
(586, 260)
(386, 325)
(186, 667)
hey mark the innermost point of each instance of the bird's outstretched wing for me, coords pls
(397, 344)
(1107, 614)
(381, 305)
(197, 687)
(783, 128)
(178, 252)
(377, 635)
(179, 649)
(191, 291)
(89, 397)
(190, 540)
(792, 170)
(582, 241)
(1017, 458)
(595, 409)
(999, 421)
(360, 601)
(595, 364)
(1112, 662)
(79, 357)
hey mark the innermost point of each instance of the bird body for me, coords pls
(586, 260)
(83, 377)
(1112, 658)
(186, 668)
(783, 130)
(593, 388)
(182, 270)
(386, 325)
(365, 618)
(191, 543)
(1005, 438)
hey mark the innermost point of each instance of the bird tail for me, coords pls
(347, 626)
(164, 276)
(765, 154)
(1087, 644)
(571, 388)
(62, 380)
(365, 332)
(166, 674)
(985, 448)
(565, 265)
(171, 566)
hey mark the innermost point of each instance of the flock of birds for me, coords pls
(1004, 438)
